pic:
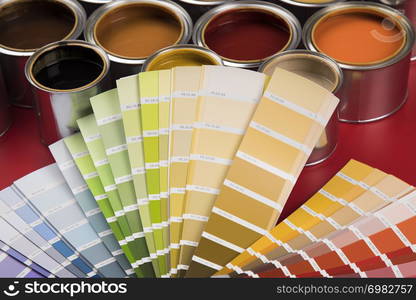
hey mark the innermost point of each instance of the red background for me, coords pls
(389, 145)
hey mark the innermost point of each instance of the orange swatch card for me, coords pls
(227, 100)
(280, 137)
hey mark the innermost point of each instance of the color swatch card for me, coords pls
(401, 262)
(149, 101)
(20, 225)
(106, 107)
(300, 260)
(87, 203)
(119, 225)
(72, 260)
(259, 181)
(402, 270)
(350, 182)
(93, 142)
(185, 86)
(399, 234)
(165, 78)
(128, 92)
(227, 100)
(12, 268)
(14, 239)
(377, 237)
(25, 260)
(15, 221)
(42, 188)
(389, 264)
(288, 242)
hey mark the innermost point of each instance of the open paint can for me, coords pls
(322, 70)
(91, 5)
(303, 9)
(5, 113)
(372, 43)
(64, 76)
(27, 25)
(181, 55)
(407, 7)
(131, 31)
(196, 8)
(246, 33)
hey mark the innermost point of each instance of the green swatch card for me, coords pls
(106, 107)
(82, 159)
(149, 100)
(164, 128)
(128, 92)
(93, 140)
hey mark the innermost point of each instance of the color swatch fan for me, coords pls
(174, 174)
(172, 136)
(342, 231)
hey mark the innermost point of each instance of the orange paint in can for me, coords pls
(358, 36)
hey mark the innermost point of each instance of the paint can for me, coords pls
(372, 43)
(64, 76)
(303, 9)
(246, 33)
(91, 5)
(322, 70)
(408, 8)
(181, 55)
(131, 31)
(5, 113)
(27, 25)
(196, 8)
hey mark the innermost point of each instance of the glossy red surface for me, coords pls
(20, 149)
(389, 145)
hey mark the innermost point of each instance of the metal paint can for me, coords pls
(91, 5)
(27, 25)
(246, 33)
(322, 70)
(5, 113)
(181, 55)
(196, 8)
(64, 76)
(408, 8)
(303, 9)
(131, 31)
(376, 76)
